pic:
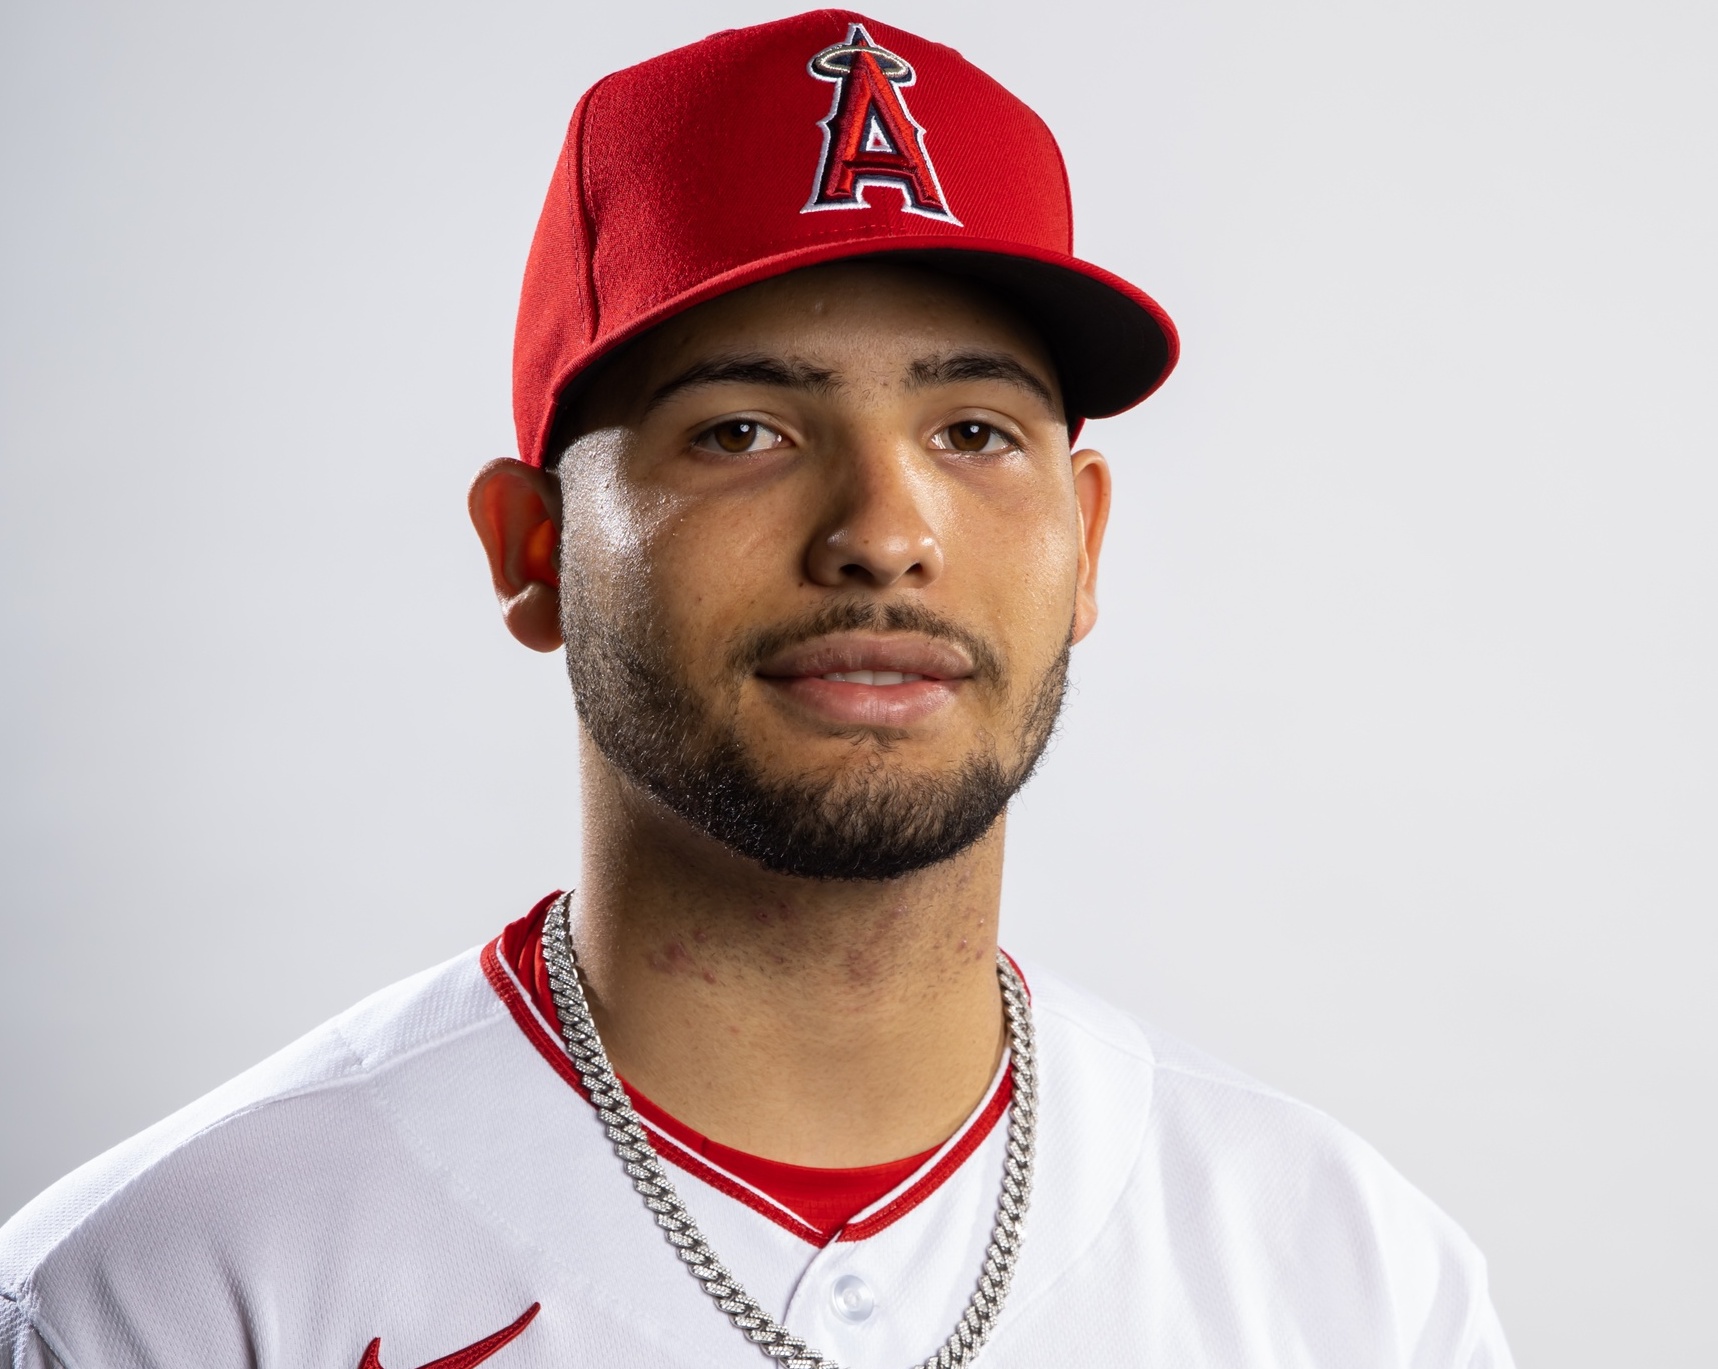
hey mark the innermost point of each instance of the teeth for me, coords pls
(871, 677)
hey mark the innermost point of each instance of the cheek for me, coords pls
(1025, 550)
(608, 523)
(690, 573)
(717, 570)
(608, 533)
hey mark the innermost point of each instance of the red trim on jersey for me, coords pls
(501, 979)
(826, 1198)
(817, 1205)
(970, 1141)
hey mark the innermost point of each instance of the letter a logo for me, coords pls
(869, 139)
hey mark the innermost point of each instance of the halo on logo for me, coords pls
(836, 62)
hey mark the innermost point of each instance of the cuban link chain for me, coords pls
(642, 1166)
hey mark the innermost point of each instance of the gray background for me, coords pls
(1390, 774)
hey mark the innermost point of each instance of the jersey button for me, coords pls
(854, 1301)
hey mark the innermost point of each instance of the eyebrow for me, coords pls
(788, 373)
(950, 368)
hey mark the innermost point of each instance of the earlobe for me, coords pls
(1092, 501)
(516, 510)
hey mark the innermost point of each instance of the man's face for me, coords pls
(824, 551)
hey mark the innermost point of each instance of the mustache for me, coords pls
(858, 615)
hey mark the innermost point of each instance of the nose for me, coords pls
(877, 529)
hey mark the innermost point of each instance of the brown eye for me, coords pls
(974, 438)
(969, 437)
(737, 436)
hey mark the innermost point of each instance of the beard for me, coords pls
(868, 821)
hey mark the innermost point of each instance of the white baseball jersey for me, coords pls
(417, 1185)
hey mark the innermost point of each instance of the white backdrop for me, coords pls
(1390, 773)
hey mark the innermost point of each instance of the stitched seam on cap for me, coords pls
(585, 220)
(1067, 186)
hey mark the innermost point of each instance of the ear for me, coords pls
(1092, 499)
(516, 510)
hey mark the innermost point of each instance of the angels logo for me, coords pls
(869, 139)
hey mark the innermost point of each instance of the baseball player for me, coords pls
(802, 359)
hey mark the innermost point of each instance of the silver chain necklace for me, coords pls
(642, 1166)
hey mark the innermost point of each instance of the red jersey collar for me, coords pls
(818, 1205)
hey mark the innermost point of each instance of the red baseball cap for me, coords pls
(819, 138)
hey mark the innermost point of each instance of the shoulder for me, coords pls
(1173, 1088)
(1191, 1106)
(1239, 1196)
(227, 1170)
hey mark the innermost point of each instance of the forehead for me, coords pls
(851, 317)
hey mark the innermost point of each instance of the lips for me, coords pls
(870, 677)
(868, 680)
(859, 655)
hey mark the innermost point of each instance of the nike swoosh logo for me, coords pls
(461, 1359)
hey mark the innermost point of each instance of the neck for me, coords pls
(836, 1024)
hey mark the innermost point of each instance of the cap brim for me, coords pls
(1113, 344)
